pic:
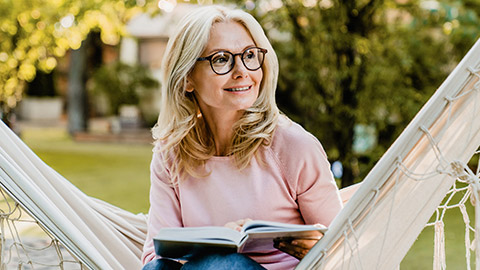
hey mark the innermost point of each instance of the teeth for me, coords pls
(238, 89)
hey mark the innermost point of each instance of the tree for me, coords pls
(346, 63)
(35, 33)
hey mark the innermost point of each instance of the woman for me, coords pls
(223, 153)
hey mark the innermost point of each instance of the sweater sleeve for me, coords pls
(164, 205)
(318, 197)
(308, 173)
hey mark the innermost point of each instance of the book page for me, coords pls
(271, 226)
(200, 234)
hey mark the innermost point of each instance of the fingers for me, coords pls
(304, 243)
(298, 248)
(233, 225)
(242, 222)
(237, 225)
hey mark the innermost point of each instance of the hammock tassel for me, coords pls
(475, 195)
(439, 262)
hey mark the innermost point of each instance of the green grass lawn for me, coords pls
(116, 173)
(119, 174)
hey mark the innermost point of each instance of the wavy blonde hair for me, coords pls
(185, 140)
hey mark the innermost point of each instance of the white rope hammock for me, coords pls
(384, 217)
(100, 235)
(374, 231)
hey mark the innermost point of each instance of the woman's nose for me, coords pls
(239, 70)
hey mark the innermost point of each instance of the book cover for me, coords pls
(256, 236)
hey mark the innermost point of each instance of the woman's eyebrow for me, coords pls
(214, 50)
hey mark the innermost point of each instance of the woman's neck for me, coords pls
(221, 127)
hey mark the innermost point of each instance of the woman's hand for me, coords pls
(296, 247)
(237, 225)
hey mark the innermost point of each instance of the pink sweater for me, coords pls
(294, 184)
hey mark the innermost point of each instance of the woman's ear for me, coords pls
(189, 87)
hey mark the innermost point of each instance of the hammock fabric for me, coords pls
(100, 235)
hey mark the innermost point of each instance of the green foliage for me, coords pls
(372, 62)
(122, 83)
(34, 33)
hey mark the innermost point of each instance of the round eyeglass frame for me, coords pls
(209, 58)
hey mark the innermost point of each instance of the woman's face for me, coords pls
(235, 91)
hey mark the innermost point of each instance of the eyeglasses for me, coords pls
(223, 62)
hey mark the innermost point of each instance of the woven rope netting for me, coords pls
(25, 244)
(460, 202)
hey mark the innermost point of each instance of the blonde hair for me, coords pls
(184, 138)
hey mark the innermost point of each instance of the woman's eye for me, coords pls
(220, 59)
(250, 54)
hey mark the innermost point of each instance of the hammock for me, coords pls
(374, 231)
(381, 221)
(100, 235)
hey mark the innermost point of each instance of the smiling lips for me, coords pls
(238, 89)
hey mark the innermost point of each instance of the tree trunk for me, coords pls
(348, 178)
(77, 93)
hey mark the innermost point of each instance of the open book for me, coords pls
(256, 236)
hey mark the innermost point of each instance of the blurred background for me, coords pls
(79, 80)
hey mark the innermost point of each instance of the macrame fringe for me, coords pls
(439, 261)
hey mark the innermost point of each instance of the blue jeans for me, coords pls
(234, 261)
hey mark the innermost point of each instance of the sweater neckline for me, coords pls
(221, 158)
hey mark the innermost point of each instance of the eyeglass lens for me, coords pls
(222, 62)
